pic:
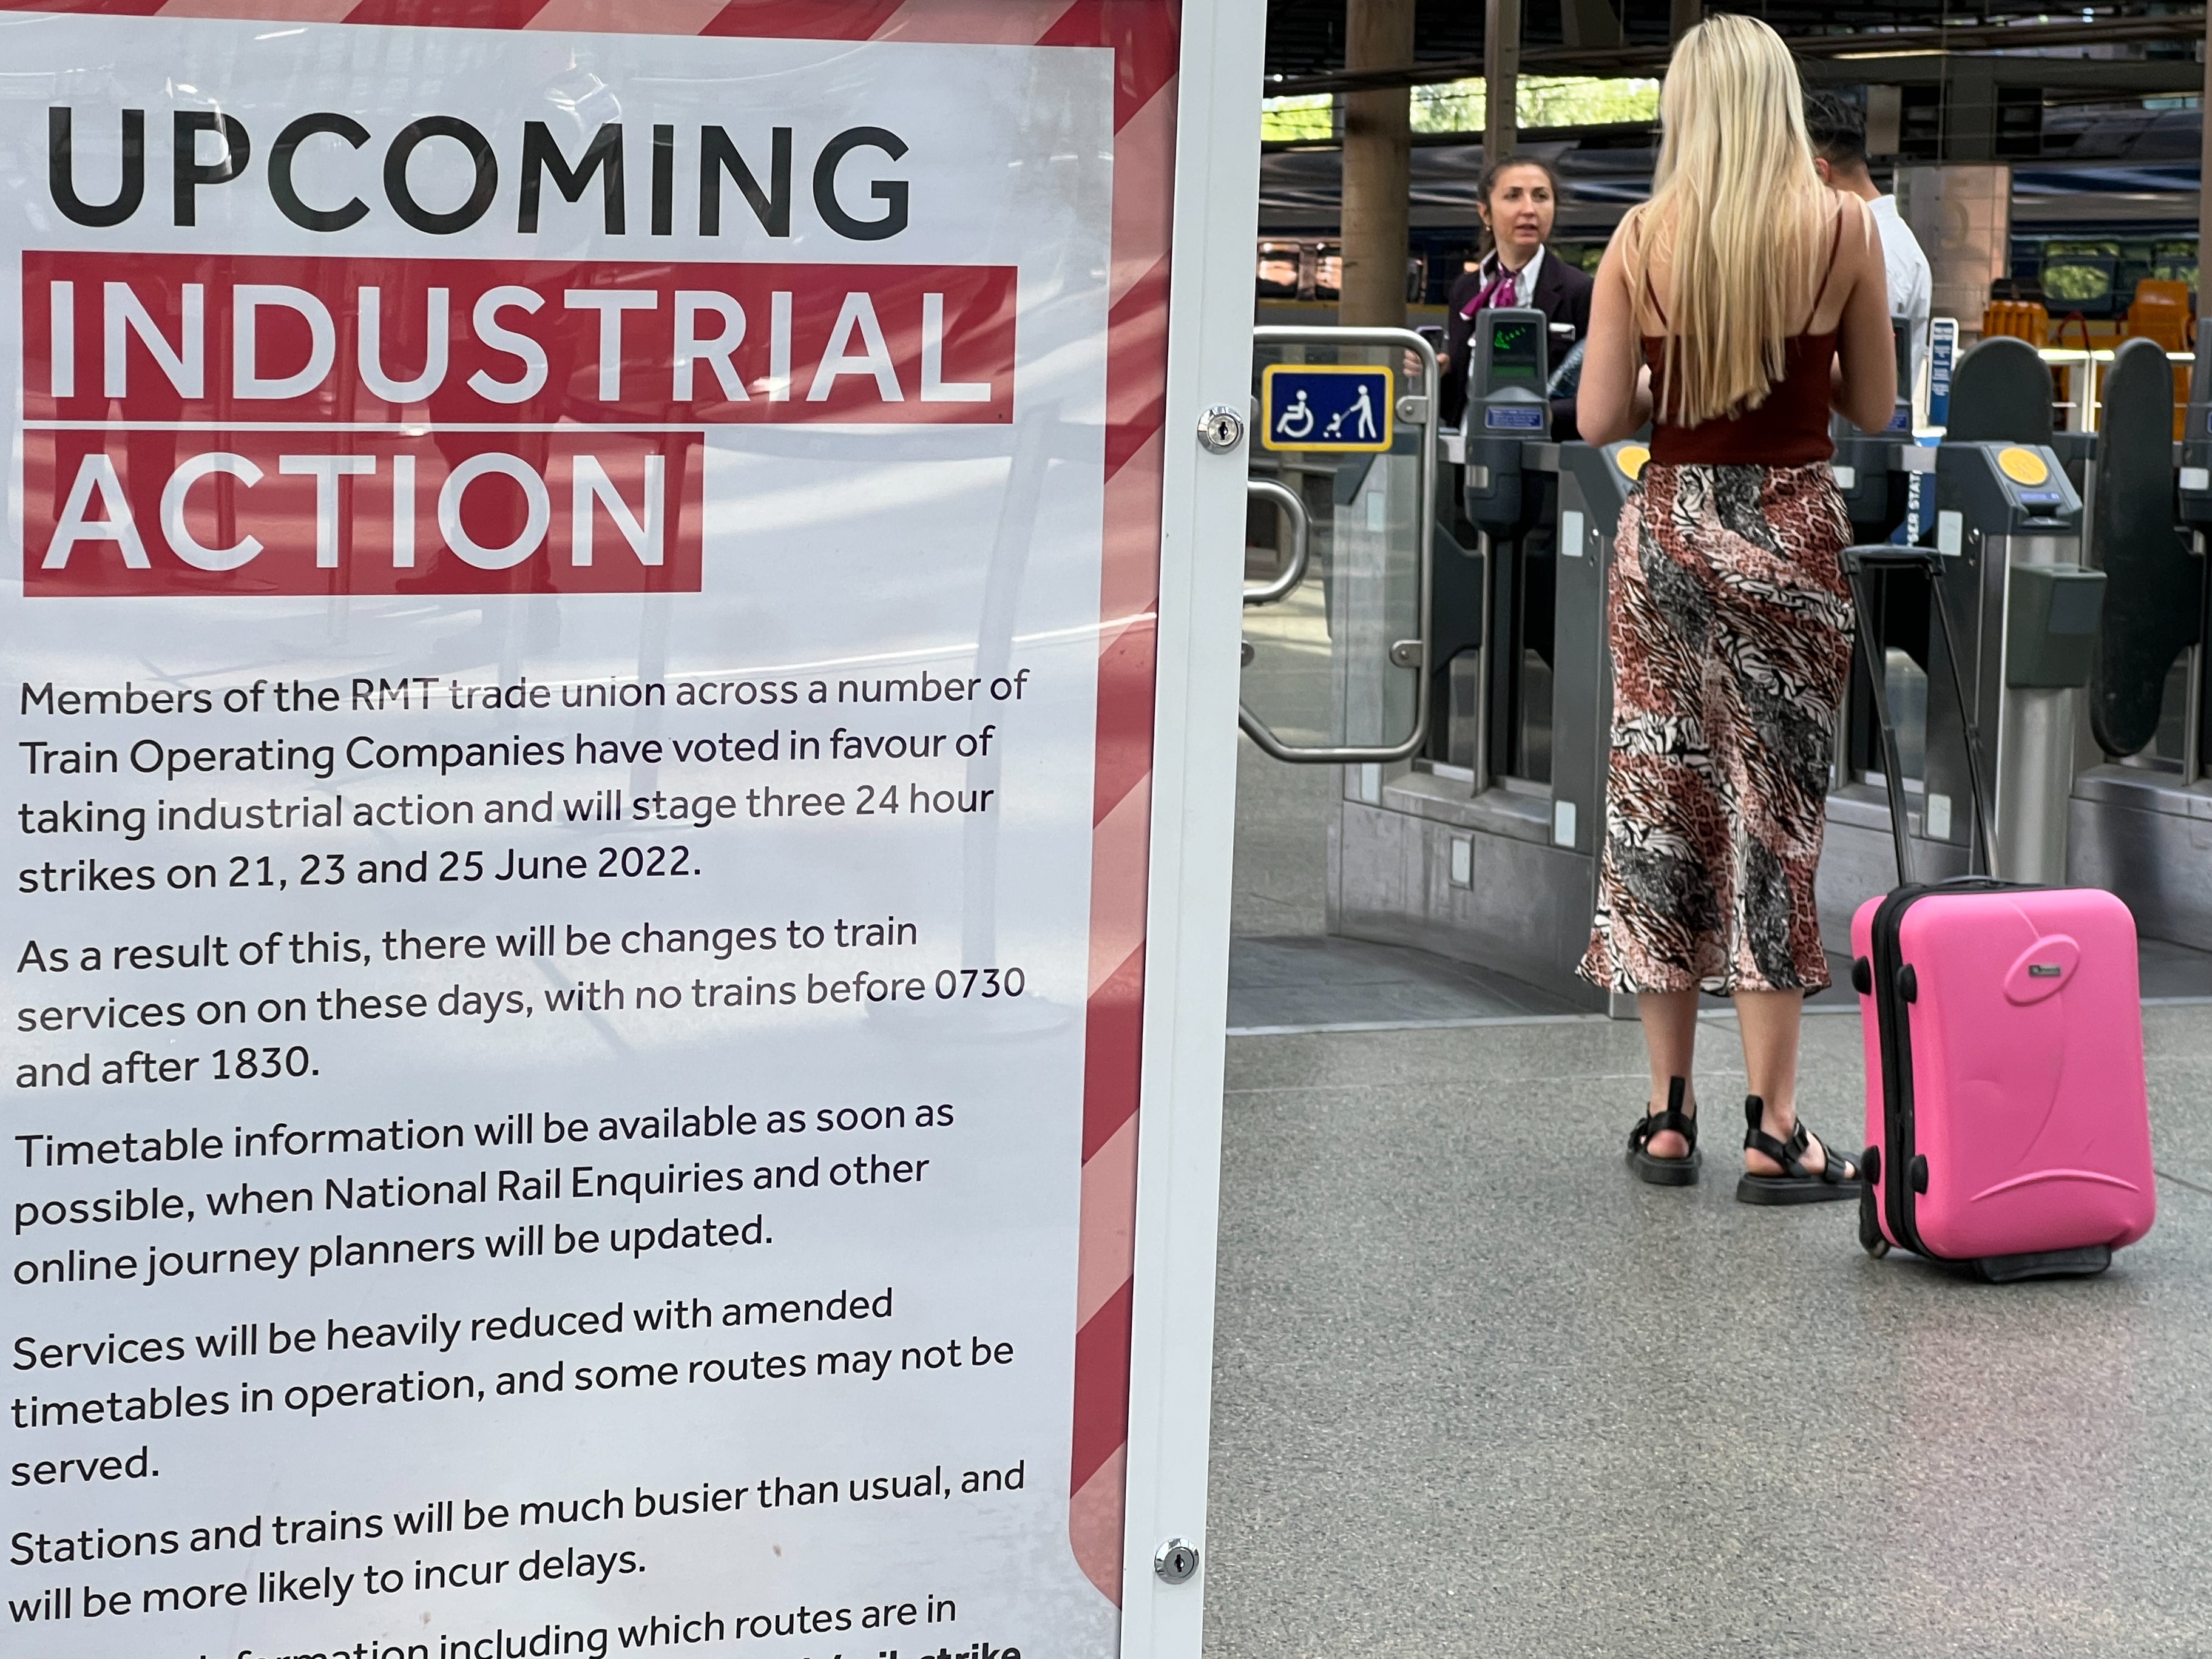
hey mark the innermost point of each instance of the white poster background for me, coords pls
(831, 553)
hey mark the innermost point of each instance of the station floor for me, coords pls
(1478, 1392)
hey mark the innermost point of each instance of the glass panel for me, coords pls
(1531, 604)
(2173, 715)
(1328, 272)
(1463, 706)
(1534, 737)
(1277, 270)
(1907, 689)
(1320, 673)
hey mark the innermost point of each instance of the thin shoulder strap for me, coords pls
(1835, 250)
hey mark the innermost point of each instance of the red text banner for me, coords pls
(113, 513)
(137, 338)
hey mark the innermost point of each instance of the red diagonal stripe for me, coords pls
(1125, 717)
(90, 7)
(1102, 1389)
(1114, 1048)
(817, 19)
(1136, 366)
(1146, 42)
(447, 14)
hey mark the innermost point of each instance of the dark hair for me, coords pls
(1486, 185)
(1837, 129)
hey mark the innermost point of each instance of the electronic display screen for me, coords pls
(1516, 353)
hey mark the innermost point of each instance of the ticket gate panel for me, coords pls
(1487, 864)
(2147, 837)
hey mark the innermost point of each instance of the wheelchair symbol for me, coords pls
(1296, 420)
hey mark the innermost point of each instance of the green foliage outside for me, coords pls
(1545, 100)
(1282, 119)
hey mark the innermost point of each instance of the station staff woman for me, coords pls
(1733, 309)
(1518, 199)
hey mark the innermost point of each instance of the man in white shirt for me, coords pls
(1839, 134)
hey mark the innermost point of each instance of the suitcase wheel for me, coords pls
(1870, 1235)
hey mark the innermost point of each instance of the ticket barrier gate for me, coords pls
(2140, 818)
(1479, 840)
(2136, 814)
(2025, 613)
(2142, 814)
(1483, 846)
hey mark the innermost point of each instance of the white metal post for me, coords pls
(1193, 824)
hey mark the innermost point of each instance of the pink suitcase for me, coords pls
(2008, 1126)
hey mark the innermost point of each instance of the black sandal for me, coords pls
(1665, 1171)
(1796, 1184)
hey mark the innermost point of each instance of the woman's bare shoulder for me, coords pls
(1859, 239)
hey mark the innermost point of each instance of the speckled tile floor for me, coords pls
(1479, 1392)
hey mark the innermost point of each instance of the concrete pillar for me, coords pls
(1962, 215)
(1378, 168)
(1682, 16)
(1501, 70)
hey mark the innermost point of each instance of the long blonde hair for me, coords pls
(1740, 212)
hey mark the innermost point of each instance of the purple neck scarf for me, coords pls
(1502, 295)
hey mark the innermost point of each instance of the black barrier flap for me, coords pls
(2154, 602)
(2001, 393)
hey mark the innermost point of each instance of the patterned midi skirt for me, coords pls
(1730, 627)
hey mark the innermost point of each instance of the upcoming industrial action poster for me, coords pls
(578, 679)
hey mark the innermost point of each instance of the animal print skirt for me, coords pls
(1730, 625)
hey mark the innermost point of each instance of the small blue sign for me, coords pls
(1515, 417)
(1943, 349)
(1339, 408)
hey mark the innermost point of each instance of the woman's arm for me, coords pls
(1866, 351)
(1615, 399)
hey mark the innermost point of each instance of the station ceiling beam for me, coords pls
(2130, 77)
(1895, 47)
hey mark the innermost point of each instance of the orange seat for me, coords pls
(2161, 312)
(2023, 320)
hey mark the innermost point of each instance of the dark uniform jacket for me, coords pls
(1563, 295)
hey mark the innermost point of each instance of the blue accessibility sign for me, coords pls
(1336, 407)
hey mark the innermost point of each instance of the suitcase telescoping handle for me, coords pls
(1859, 564)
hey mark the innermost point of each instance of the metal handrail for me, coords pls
(2084, 402)
(1431, 381)
(1294, 509)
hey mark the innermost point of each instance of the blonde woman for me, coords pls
(1732, 310)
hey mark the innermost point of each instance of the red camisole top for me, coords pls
(1789, 429)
